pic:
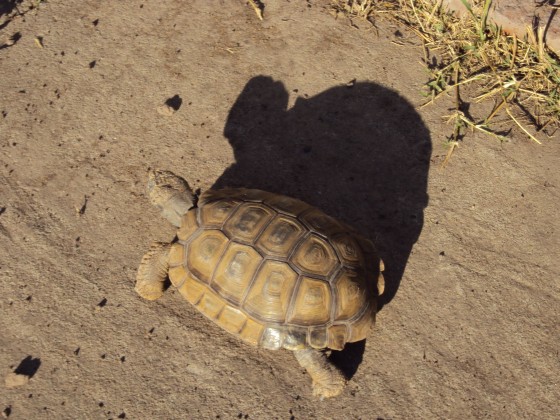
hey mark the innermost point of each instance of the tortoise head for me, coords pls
(171, 194)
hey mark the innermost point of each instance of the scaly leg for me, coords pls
(328, 380)
(153, 271)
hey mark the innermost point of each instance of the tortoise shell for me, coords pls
(275, 271)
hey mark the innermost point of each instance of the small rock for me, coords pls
(14, 380)
(165, 110)
(101, 304)
(171, 106)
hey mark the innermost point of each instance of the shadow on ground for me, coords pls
(28, 366)
(6, 8)
(360, 153)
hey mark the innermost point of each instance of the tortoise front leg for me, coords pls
(328, 380)
(152, 272)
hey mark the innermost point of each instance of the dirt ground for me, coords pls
(301, 104)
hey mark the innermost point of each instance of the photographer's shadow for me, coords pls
(360, 153)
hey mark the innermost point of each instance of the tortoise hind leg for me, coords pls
(328, 380)
(150, 279)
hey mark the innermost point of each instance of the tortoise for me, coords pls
(270, 269)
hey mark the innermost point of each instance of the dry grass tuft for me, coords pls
(520, 76)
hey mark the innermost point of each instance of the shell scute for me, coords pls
(318, 338)
(210, 304)
(235, 271)
(315, 256)
(318, 221)
(280, 236)
(214, 214)
(189, 225)
(191, 289)
(252, 331)
(351, 292)
(232, 319)
(270, 295)
(348, 249)
(287, 205)
(247, 222)
(272, 338)
(312, 303)
(204, 252)
(176, 255)
(360, 327)
(336, 336)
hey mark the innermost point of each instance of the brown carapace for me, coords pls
(270, 269)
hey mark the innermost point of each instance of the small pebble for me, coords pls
(14, 380)
(165, 110)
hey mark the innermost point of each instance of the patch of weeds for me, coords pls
(520, 76)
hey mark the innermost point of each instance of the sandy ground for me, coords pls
(301, 104)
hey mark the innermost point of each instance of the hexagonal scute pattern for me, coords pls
(315, 256)
(348, 249)
(192, 290)
(287, 205)
(312, 304)
(177, 255)
(178, 275)
(235, 271)
(318, 221)
(204, 252)
(274, 270)
(251, 332)
(210, 304)
(280, 236)
(358, 329)
(270, 295)
(247, 222)
(351, 291)
(189, 225)
(232, 319)
(214, 214)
